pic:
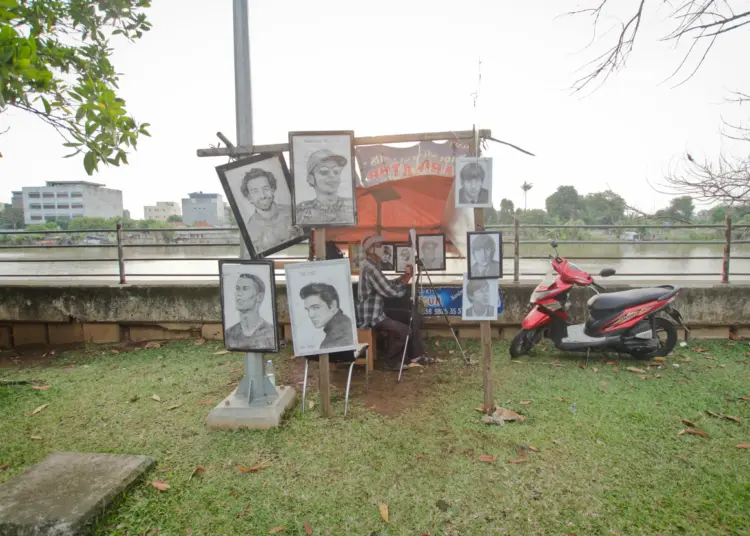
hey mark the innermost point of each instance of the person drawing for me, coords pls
(478, 295)
(472, 192)
(483, 251)
(271, 223)
(386, 259)
(252, 331)
(323, 307)
(430, 255)
(324, 175)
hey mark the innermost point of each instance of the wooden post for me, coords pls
(323, 366)
(120, 253)
(727, 250)
(485, 332)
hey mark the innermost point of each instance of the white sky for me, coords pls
(392, 67)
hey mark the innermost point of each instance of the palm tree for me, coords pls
(526, 186)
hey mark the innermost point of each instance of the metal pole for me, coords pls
(516, 251)
(254, 386)
(120, 253)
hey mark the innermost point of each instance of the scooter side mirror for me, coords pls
(607, 272)
(553, 243)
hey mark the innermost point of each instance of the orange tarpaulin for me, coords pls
(392, 208)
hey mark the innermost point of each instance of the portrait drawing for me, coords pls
(431, 251)
(480, 299)
(248, 306)
(485, 255)
(324, 178)
(404, 255)
(258, 192)
(321, 307)
(473, 182)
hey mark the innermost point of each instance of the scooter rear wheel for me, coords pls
(523, 342)
(661, 326)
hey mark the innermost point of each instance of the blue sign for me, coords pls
(451, 299)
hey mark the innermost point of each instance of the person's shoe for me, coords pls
(424, 360)
(394, 366)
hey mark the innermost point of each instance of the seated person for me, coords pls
(373, 288)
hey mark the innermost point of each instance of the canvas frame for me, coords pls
(494, 299)
(392, 245)
(469, 255)
(397, 248)
(419, 252)
(270, 294)
(352, 170)
(294, 317)
(355, 251)
(241, 223)
(462, 162)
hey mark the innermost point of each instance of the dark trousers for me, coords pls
(397, 332)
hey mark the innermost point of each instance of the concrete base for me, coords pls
(260, 415)
(64, 494)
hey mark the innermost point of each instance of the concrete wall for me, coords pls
(60, 314)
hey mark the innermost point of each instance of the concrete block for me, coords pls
(101, 333)
(709, 333)
(742, 333)
(233, 412)
(508, 332)
(466, 332)
(28, 334)
(147, 333)
(6, 341)
(212, 332)
(65, 493)
(65, 333)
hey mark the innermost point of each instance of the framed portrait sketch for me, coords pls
(248, 306)
(386, 254)
(258, 192)
(485, 255)
(404, 256)
(431, 250)
(324, 178)
(321, 307)
(355, 256)
(480, 299)
(473, 182)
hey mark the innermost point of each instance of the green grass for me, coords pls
(612, 467)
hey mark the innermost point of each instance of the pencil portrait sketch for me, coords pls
(473, 182)
(485, 255)
(480, 299)
(431, 251)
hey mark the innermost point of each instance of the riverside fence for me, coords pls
(15, 247)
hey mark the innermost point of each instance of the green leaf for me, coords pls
(90, 128)
(47, 107)
(89, 162)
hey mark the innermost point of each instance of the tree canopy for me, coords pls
(55, 64)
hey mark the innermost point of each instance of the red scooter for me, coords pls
(623, 322)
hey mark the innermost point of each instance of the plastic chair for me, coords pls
(349, 357)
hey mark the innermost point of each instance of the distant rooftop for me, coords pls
(198, 195)
(60, 183)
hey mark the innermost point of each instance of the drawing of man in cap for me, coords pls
(472, 191)
(324, 175)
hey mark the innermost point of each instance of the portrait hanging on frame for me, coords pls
(473, 182)
(385, 252)
(404, 255)
(258, 192)
(431, 251)
(248, 306)
(480, 299)
(321, 307)
(324, 178)
(484, 258)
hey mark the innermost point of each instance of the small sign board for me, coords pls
(451, 298)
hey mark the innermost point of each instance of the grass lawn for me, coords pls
(610, 458)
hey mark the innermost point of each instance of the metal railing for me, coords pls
(121, 244)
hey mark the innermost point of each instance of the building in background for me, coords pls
(206, 208)
(161, 211)
(70, 199)
(17, 200)
(126, 214)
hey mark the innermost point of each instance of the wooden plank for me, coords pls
(486, 337)
(462, 135)
(323, 365)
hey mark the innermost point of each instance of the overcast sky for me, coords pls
(392, 67)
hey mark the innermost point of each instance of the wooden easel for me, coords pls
(324, 371)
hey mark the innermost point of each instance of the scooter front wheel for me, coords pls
(523, 342)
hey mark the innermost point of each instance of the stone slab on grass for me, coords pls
(64, 494)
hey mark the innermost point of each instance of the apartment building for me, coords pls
(70, 199)
(161, 211)
(206, 208)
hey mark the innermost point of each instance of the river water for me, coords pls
(200, 262)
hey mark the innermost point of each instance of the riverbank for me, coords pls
(69, 313)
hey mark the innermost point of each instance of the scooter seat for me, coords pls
(628, 298)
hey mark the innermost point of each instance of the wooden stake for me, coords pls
(485, 332)
(323, 366)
